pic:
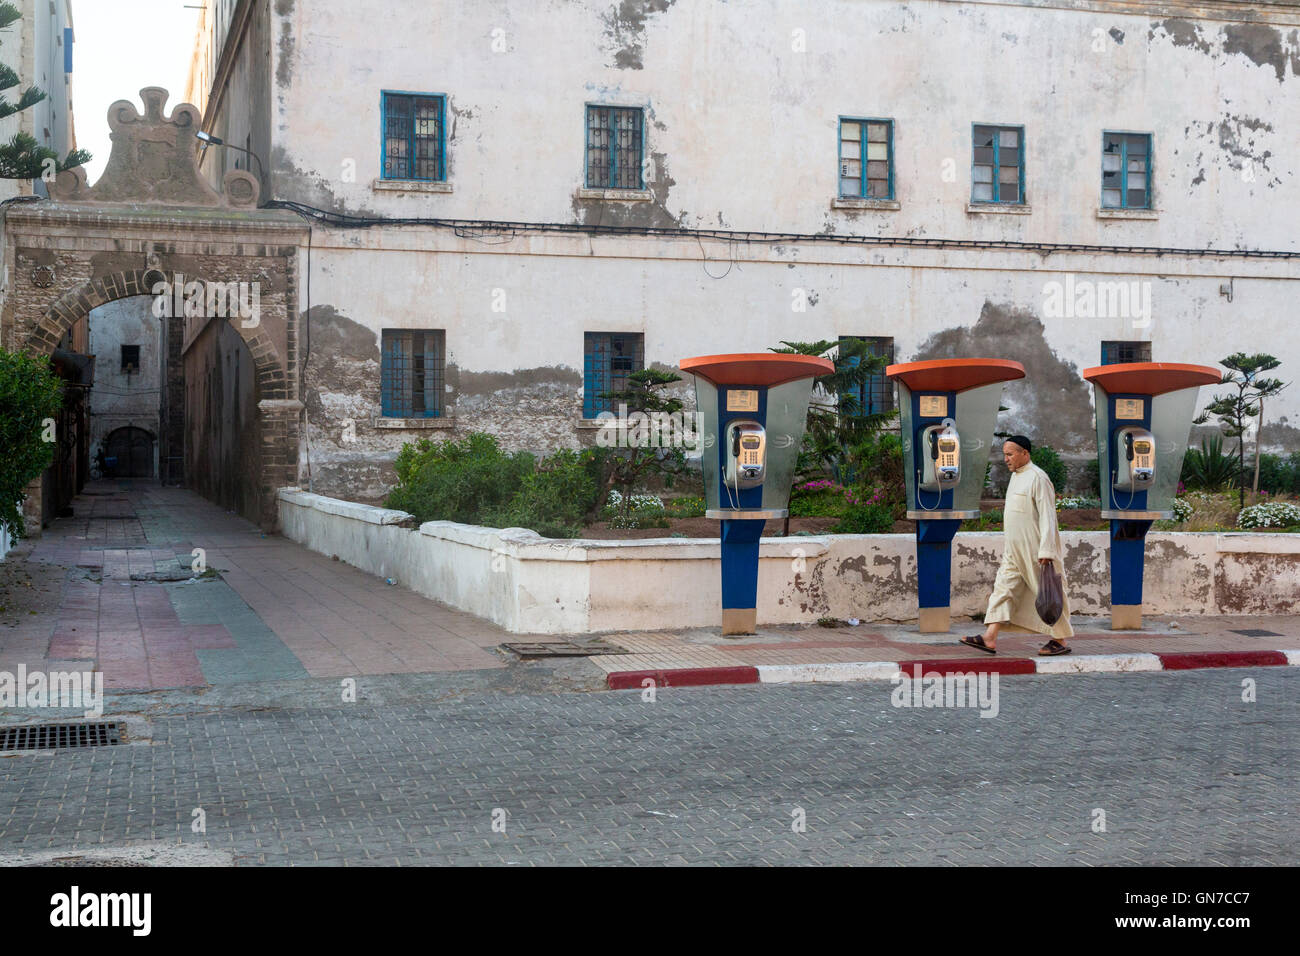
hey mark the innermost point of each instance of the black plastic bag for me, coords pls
(1051, 594)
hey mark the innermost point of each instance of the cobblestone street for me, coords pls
(418, 770)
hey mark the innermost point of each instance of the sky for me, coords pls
(120, 47)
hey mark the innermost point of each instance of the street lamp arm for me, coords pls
(209, 140)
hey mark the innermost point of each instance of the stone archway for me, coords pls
(152, 217)
(69, 308)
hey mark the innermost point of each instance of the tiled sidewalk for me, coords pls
(277, 611)
(273, 611)
(876, 642)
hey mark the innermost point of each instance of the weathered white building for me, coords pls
(514, 204)
(39, 49)
(125, 404)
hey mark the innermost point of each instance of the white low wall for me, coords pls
(6, 543)
(534, 585)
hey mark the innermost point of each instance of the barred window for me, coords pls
(414, 137)
(130, 359)
(411, 373)
(608, 359)
(1118, 353)
(876, 395)
(614, 147)
(998, 164)
(866, 159)
(1126, 170)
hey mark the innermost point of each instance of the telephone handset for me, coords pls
(746, 454)
(941, 457)
(1135, 459)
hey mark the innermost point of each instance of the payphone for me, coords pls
(1135, 459)
(746, 454)
(1144, 415)
(941, 455)
(753, 409)
(948, 410)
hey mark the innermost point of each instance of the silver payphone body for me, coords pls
(746, 454)
(1135, 459)
(940, 456)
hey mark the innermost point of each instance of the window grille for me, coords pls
(414, 137)
(412, 373)
(614, 148)
(609, 358)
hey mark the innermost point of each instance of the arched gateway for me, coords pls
(223, 275)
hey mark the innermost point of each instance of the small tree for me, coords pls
(627, 467)
(22, 157)
(1235, 411)
(30, 397)
(836, 421)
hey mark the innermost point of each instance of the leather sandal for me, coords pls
(977, 641)
(1053, 648)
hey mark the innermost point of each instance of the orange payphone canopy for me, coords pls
(955, 375)
(1150, 378)
(756, 368)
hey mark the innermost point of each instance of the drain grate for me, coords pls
(563, 649)
(1256, 632)
(61, 736)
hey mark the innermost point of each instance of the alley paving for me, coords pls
(133, 606)
(240, 747)
(420, 768)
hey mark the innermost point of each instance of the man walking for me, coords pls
(1031, 539)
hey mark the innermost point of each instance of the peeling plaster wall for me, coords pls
(529, 584)
(514, 315)
(743, 98)
(741, 102)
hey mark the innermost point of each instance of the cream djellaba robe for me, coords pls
(1030, 533)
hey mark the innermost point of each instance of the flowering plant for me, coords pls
(1272, 514)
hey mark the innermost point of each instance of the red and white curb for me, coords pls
(892, 670)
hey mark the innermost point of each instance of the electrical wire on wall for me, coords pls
(488, 226)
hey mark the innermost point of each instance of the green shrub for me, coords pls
(1046, 458)
(821, 498)
(1277, 474)
(1094, 477)
(553, 499)
(866, 519)
(1209, 469)
(987, 521)
(879, 468)
(465, 480)
(29, 395)
(691, 507)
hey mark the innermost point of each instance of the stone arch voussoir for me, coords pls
(70, 307)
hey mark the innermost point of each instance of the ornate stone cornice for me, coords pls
(155, 161)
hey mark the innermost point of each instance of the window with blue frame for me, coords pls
(866, 159)
(614, 147)
(411, 373)
(608, 359)
(1126, 170)
(1118, 353)
(875, 396)
(998, 164)
(415, 142)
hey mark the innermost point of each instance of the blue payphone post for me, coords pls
(1144, 416)
(754, 407)
(948, 410)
